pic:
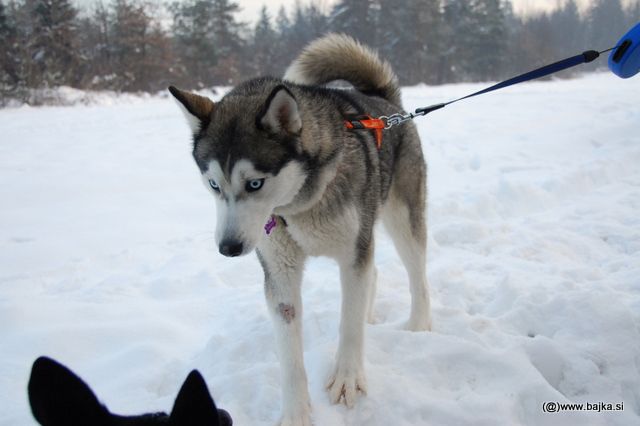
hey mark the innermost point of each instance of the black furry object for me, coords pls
(58, 397)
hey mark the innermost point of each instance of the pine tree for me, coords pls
(568, 29)
(536, 45)
(411, 39)
(128, 30)
(226, 34)
(607, 22)
(6, 31)
(194, 43)
(298, 34)
(358, 18)
(18, 63)
(207, 41)
(490, 40)
(283, 55)
(317, 22)
(226, 29)
(429, 34)
(96, 48)
(566, 35)
(9, 77)
(459, 31)
(140, 49)
(52, 42)
(514, 31)
(282, 22)
(306, 24)
(263, 45)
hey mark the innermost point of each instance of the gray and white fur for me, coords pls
(279, 147)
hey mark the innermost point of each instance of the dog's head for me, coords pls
(249, 150)
(60, 398)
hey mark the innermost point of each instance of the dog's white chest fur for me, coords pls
(320, 234)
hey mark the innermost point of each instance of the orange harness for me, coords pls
(369, 123)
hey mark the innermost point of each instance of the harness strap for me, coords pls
(377, 125)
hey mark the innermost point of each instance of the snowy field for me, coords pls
(108, 264)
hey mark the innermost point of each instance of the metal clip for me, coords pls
(395, 119)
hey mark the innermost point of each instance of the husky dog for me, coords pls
(60, 398)
(277, 152)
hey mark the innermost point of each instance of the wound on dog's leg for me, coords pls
(287, 312)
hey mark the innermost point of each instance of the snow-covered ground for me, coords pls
(107, 263)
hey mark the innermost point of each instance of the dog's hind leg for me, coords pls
(411, 247)
(283, 261)
(404, 218)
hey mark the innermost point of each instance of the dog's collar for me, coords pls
(272, 223)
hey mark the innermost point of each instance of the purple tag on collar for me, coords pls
(268, 227)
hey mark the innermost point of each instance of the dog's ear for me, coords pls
(60, 398)
(280, 113)
(196, 108)
(194, 405)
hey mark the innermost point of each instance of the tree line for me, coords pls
(143, 46)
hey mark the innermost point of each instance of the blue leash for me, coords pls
(624, 61)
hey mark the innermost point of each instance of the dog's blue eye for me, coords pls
(214, 185)
(254, 185)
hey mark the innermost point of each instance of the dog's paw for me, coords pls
(345, 384)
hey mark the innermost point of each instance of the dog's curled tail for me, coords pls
(340, 57)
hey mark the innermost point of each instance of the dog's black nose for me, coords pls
(231, 248)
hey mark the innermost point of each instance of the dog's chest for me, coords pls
(321, 233)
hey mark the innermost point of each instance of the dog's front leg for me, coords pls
(283, 261)
(348, 376)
